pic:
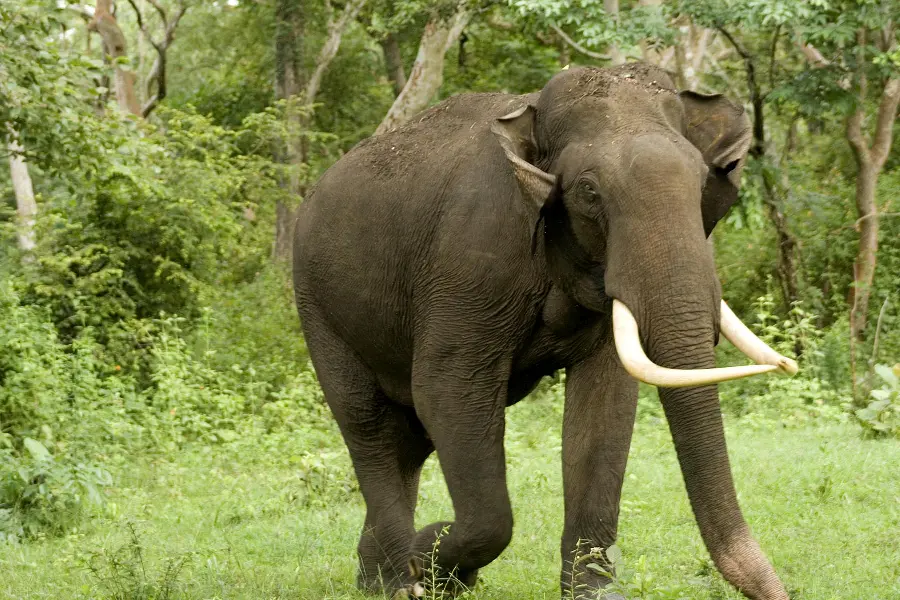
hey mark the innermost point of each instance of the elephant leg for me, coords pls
(387, 444)
(601, 399)
(388, 473)
(462, 406)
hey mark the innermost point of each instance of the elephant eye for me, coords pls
(588, 190)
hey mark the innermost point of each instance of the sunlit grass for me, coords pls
(824, 504)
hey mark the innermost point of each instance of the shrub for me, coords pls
(42, 494)
(882, 416)
(811, 393)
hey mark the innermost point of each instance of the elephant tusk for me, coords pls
(636, 363)
(746, 341)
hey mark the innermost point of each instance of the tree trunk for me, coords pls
(867, 253)
(336, 29)
(25, 204)
(649, 54)
(289, 31)
(870, 161)
(105, 24)
(787, 243)
(288, 39)
(393, 63)
(427, 73)
(616, 56)
(288, 83)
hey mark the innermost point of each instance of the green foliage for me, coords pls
(882, 416)
(636, 582)
(166, 213)
(595, 28)
(43, 87)
(41, 493)
(121, 573)
(799, 399)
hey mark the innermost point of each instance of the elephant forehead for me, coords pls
(596, 103)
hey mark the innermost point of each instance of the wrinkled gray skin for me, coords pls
(442, 269)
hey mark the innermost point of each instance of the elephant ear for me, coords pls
(722, 132)
(569, 264)
(515, 132)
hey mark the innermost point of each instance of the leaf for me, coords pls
(37, 450)
(888, 375)
(878, 405)
(866, 414)
(614, 554)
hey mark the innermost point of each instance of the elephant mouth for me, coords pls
(636, 363)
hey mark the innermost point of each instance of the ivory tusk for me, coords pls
(746, 341)
(636, 363)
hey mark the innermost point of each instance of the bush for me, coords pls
(42, 494)
(173, 208)
(810, 394)
(882, 416)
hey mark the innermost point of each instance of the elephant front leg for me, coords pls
(601, 399)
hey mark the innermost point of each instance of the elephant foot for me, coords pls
(416, 590)
(589, 575)
(434, 582)
(383, 580)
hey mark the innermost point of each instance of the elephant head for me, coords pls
(626, 178)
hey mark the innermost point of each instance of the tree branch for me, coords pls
(756, 98)
(774, 48)
(855, 136)
(813, 55)
(330, 47)
(874, 215)
(884, 124)
(142, 26)
(158, 70)
(160, 10)
(578, 46)
(81, 11)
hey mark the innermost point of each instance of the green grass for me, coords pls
(276, 519)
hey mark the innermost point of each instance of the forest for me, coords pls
(162, 431)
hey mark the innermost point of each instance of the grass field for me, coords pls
(279, 518)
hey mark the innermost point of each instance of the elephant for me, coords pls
(442, 269)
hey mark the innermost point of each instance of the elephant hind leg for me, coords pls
(388, 447)
(388, 474)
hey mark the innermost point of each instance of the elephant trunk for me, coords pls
(696, 425)
(676, 307)
(684, 339)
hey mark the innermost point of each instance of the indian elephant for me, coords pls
(442, 269)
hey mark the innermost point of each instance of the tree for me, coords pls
(104, 23)
(157, 76)
(763, 25)
(300, 98)
(427, 74)
(25, 204)
(393, 62)
(854, 48)
(870, 159)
